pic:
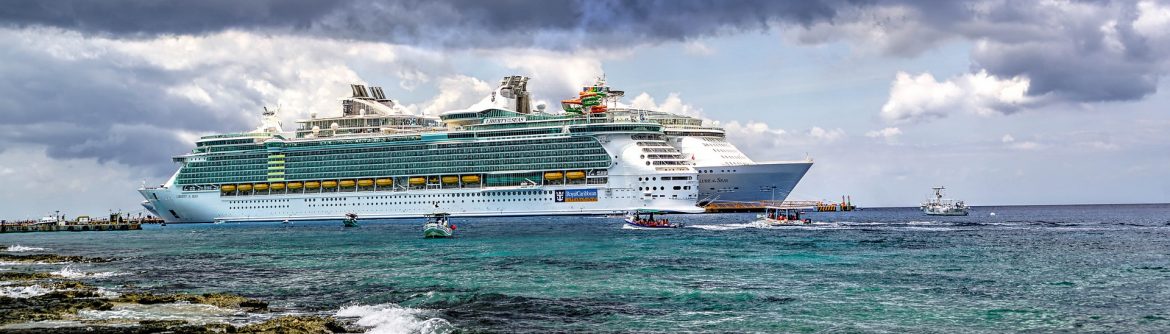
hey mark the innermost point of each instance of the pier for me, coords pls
(116, 222)
(755, 206)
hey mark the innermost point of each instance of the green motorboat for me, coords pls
(350, 220)
(438, 226)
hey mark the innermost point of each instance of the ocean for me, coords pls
(1083, 268)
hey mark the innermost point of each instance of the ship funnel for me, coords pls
(515, 87)
(377, 93)
(359, 91)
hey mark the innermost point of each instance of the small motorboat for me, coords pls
(351, 220)
(284, 222)
(438, 226)
(780, 216)
(939, 206)
(644, 219)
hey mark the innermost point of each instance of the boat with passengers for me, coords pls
(644, 218)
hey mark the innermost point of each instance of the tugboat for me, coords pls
(939, 206)
(350, 220)
(438, 226)
(635, 220)
(781, 215)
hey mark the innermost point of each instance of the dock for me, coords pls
(116, 222)
(53, 227)
(755, 206)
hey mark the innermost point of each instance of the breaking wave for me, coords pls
(19, 248)
(24, 291)
(69, 272)
(394, 319)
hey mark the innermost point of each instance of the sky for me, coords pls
(1003, 102)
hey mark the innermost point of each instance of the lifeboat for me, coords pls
(417, 181)
(244, 187)
(329, 184)
(294, 185)
(384, 182)
(347, 183)
(365, 183)
(450, 179)
(433, 179)
(553, 176)
(260, 187)
(277, 186)
(227, 188)
(312, 185)
(575, 175)
(471, 179)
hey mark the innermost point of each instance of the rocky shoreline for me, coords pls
(58, 298)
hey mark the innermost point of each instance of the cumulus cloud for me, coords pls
(1057, 52)
(761, 141)
(1065, 51)
(827, 136)
(887, 134)
(672, 104)
(698, 48)
(102, 98)
(457, 92)
(921, 97)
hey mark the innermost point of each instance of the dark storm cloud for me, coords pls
(554, 24)
(100, 107)
(1076, 58)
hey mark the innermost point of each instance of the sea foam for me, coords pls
(393, 319)
(19, 248)
(69, 272)
(24, 291)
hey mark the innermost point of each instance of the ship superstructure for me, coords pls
(725, 173)
(499, 158)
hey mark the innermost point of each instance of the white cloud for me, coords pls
(672, 104)
(1026, 146)
(921, 97)
(37, 184)
(698, 48)
(827, 136)
(1153, 19)
(888, 134)
(457, 92)
(554, 75)
(1008, 138)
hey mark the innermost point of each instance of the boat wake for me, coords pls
(721, 227)
(393, 319)
(19, 248)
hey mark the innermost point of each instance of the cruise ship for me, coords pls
(497, 158)
(725, 173)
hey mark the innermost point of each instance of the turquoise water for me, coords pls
(1059, 268)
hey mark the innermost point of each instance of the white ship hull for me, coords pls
(209, 206)
(632, 184)
(758, 182)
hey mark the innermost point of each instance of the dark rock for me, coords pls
(6, 276)
(295, 324)
(51, 258)
(217, 299)
(52, 306)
